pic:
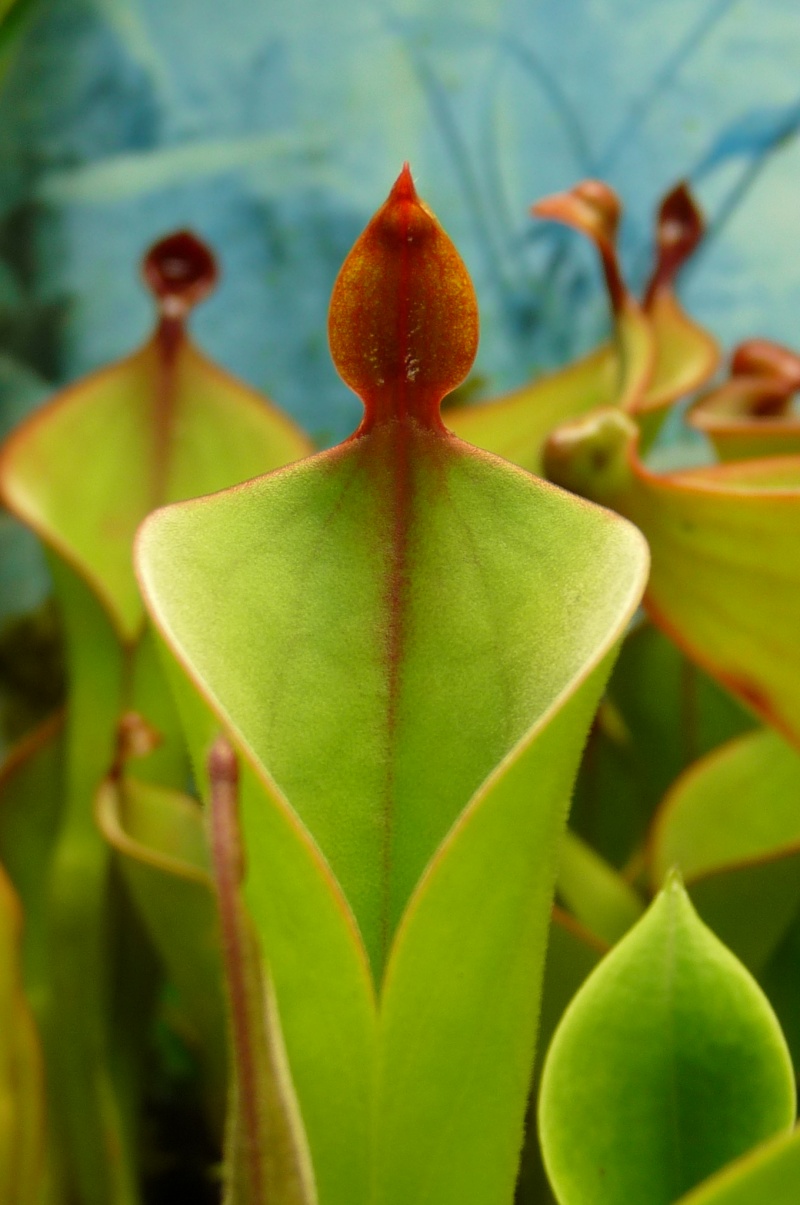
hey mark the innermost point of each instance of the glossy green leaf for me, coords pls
(750, 414)
(725, 579)
(668, 1064)
(411, 641)
(770, 1173)
(731, 825)
(594, 892)
(22, 1106)
(159, 837)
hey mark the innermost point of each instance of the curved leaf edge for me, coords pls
(669, 801)
(109, 821)
(543, 721)
(64, 398)
(261, 772)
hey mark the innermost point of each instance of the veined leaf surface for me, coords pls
(164, 423)
(408, 649)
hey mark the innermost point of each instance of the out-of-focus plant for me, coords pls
(162, 424)
(385, 659)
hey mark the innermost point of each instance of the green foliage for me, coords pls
(304, 815)
(668, 1064)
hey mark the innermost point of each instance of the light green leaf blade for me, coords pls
(324, 989)
(668, 1064)
(660, 714)
(770, 1173)
(731, 825)
(413, 613)
(163, 424)
(725, 580)
(460, 1000)
(517, 425)
(594, 892)
(159, 837)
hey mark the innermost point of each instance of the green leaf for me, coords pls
(770, 1173)
(731, 825)
(163, 424)
(31, 794)
(594, 892)
(660, 714)
(572, 953)
(668, 1064)
(411, 641)
(159, 837)
(725, 576)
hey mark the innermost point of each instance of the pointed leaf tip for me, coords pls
(403, 322)
(668, 1063)
(404, 188)
(180, 271)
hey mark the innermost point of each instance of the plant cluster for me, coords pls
(283, 869)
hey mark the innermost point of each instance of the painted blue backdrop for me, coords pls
(275, 127)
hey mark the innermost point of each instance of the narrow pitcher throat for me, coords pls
(402, 408)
